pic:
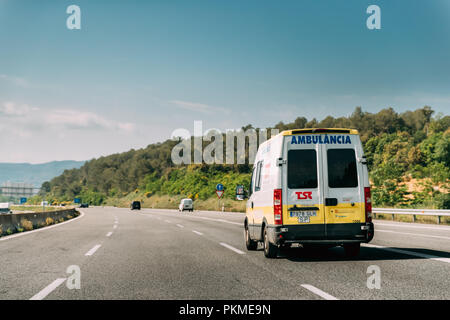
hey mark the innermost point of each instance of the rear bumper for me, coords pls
(334, 234)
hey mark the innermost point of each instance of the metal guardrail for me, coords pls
(414, 212)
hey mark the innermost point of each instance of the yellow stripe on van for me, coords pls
(342, 213)
(312, 131)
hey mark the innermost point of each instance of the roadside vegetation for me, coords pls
(408, 158)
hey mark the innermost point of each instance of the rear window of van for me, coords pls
(302, 169)
(342, 171)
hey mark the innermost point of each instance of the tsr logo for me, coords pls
(304, 195)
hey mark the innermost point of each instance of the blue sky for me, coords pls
(137, 70)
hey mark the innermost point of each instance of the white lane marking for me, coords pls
(411, 253)
(179, 225)
(394, 225)
(414, 234)
(109, 234)
(319, 292)
(232, 248)
(115, 226)
(219, 220)
(92, 251)
(167, 221)
(48, 289)
(196, 232)
(41, 229)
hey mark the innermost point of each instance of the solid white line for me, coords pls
(109, 234)
(115, 226)
(319, 292)
(232, 248)
(41, 229)
(414, 234)
(411, 253)
(196, 232)
(92, 251)
(48, 289)
(179, 225)
(409, 225)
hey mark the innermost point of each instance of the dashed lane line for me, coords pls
(231, 248)
(319, 292)
(48, 289)
(92, 251)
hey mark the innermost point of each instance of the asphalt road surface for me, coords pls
(164, 254)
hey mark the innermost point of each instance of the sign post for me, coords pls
(219, 191)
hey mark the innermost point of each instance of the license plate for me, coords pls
(303, 219)
(303, 216)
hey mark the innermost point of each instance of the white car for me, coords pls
(186, 204)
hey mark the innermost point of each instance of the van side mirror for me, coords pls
(363, 160)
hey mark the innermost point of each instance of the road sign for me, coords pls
(77, 200)
(219, 194)
(23, 200)
(240, 192)
(219, 187)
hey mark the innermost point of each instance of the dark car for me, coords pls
(136, 205)
(84, 205)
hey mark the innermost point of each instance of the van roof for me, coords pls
(318, 130)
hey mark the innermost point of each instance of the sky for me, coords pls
(138, 70)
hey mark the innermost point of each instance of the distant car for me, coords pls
(136, 205)
(84, 205)
(186, 204)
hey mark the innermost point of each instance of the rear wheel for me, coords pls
(352, 249)
(249, 243)
(270, 250)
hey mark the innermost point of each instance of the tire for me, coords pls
(352, 249)
(249, 243)
(270, 250)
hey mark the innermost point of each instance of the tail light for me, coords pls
(368, 204)
(277, 206)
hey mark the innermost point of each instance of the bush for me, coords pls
(49, 221)
(26, 224)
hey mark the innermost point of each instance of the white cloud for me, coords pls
(12, 109)
(198, 107)
(18, 81)
(23, 118)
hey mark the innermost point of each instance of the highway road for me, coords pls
(163, 254)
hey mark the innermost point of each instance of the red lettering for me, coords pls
(304, 195)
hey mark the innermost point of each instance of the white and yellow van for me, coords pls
(310, 186)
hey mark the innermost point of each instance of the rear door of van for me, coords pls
(343, 188)
(303, 187)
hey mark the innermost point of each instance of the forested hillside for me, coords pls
(408, 156)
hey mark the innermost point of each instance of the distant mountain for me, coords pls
(35, 174)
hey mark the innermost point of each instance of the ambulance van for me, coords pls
(309, 187)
